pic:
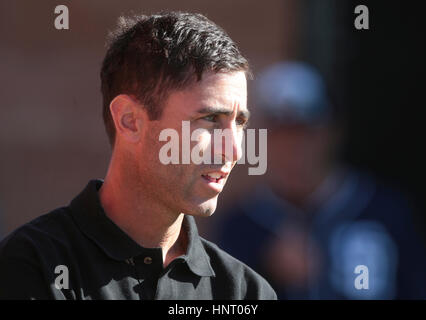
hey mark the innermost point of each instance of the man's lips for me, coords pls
(215, 176)
(215, 179)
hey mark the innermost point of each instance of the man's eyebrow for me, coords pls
(224, 111)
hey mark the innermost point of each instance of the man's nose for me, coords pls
(229, 143)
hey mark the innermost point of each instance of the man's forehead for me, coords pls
(229, 80)
(223, 90)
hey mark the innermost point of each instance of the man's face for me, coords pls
(218, 101)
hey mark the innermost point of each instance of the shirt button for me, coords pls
(147, 260)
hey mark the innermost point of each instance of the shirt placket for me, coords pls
(148, 267)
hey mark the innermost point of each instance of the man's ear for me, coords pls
(127, 116)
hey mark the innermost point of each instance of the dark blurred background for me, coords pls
(52, 138)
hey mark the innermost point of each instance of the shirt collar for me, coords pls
(90, 217)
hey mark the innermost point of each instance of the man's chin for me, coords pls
(204, 209)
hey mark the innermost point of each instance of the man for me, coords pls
(133, 235)
(316, 228)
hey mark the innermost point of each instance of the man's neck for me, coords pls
(147, 223)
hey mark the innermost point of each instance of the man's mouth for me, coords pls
(215, 180)
(213, 177)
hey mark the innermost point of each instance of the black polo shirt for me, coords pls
(77, 252)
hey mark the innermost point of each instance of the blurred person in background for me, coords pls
(314, 220)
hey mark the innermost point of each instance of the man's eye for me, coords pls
(242, 122)
(211, 118)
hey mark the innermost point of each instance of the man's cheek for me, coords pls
(201, 147)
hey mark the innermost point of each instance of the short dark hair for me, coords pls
(148, 56)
